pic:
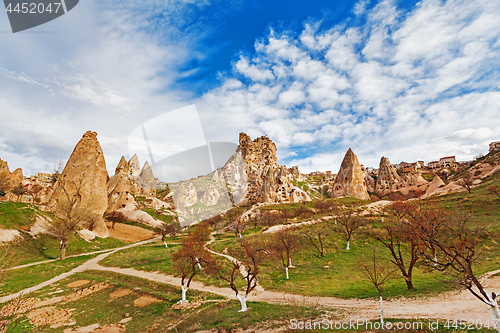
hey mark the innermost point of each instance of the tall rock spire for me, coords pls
(350, 179)
(86, 174)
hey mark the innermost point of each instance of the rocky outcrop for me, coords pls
(146, 180)
(85, 176)
(387, 178)
(134, 166)
(370, 183)
(140, 217)
(191, 196)
(179, 197)
(294, 172)
(434, 185)
(9, 179)
(350, 179)
(120, 188)
(253, 174)
(211, 196)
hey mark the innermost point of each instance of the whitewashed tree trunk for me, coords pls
(347, 247)
(184, 291)
(286, 270)
(243, 301)
(495, 312)
(239, 234)
(496, 316)
(165, 243)
(381, 311)
(290, 263)
(199, 266)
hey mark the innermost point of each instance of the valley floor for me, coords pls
(452, 305)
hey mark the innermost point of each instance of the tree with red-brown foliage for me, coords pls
(249, 256)
(269, 218)
(452, 245)
(401, 242)
(115, 217)
(188, 260)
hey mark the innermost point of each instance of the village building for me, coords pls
(447, 161)
(434, 165)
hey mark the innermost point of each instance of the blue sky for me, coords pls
(406, 80)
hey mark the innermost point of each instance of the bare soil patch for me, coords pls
(49, 301)
(145, 300)
(86, 329)
(49, 316)
(129, 233)
(78, 283)
(111, 329)
(120, 293)
(85, 292)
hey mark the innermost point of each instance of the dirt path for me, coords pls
(450, 305)
(83, 267)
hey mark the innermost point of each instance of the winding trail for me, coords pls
(83, 267)
(449, 305)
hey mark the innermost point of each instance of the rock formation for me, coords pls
(120, 188)
(253, 174)
(146, 180)
(135, 167)
(387, 179)
(370, 183)
(179, 197)
(434, 185)
(10, 179)
(85, 175)
(350, 179)
(211, 196)
(191, 196)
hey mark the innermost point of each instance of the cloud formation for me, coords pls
(409, 85)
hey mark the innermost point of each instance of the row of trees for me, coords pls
(413, 232)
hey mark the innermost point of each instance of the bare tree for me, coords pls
(324, 206)
(187, 261)
(494, 189)
(165, 229)
(283, 244)
(466, 182)
(348, 222)
(174, 229)
(316, 237)
(402, 244)
(115, 217)
(34, 191)
(378, 274)
(269, 219)
(452, 245)
(237, 227)
(72, 213)
(249, 258)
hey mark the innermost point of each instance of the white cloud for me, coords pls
(414, 85)
(108, 66)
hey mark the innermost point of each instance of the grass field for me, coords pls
(336, 274)
(19, 279)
